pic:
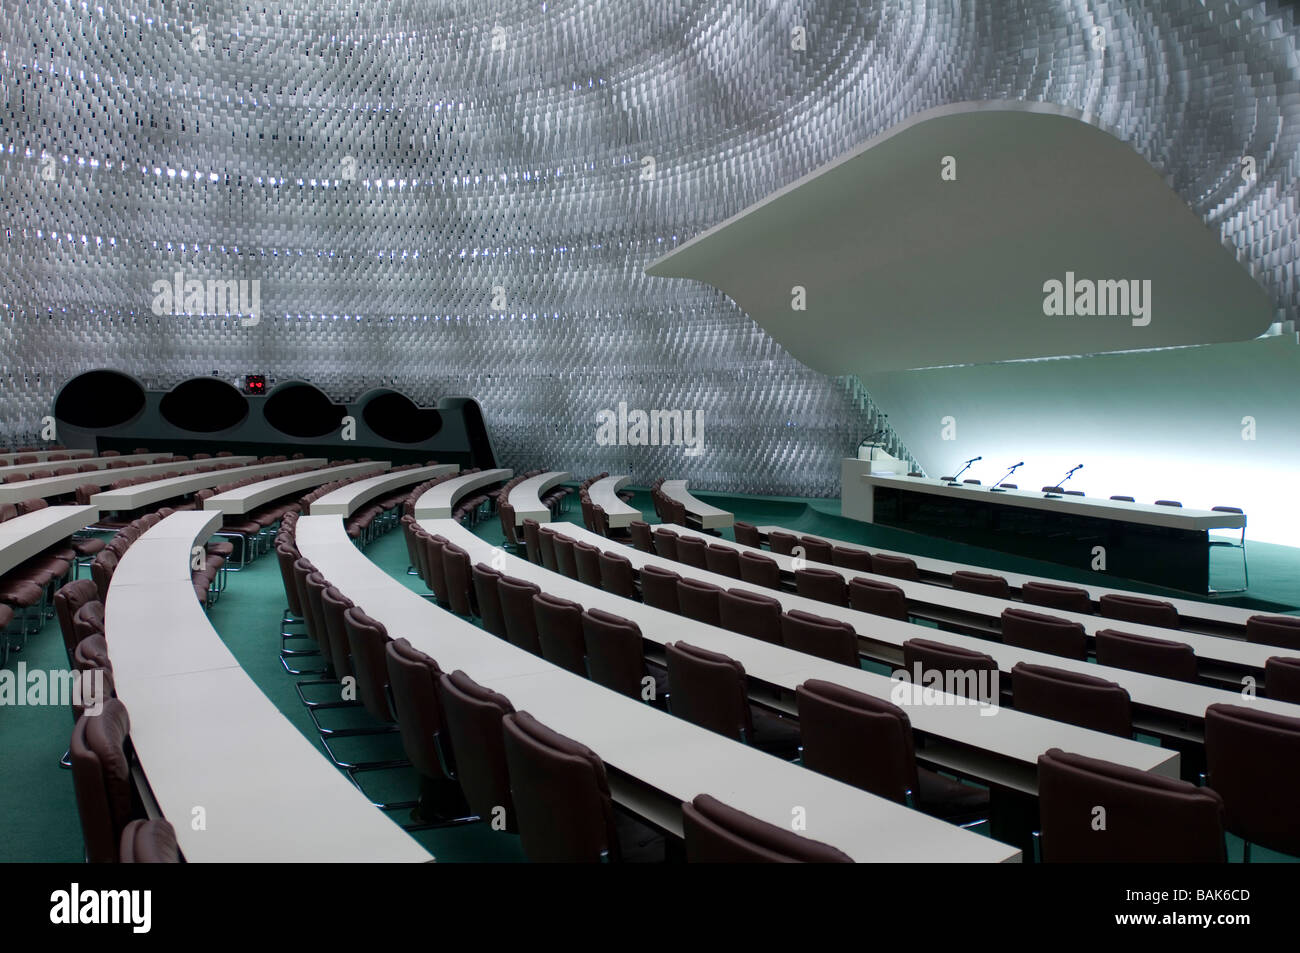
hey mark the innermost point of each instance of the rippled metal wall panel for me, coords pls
(453, 198)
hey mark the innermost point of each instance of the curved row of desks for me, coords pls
(998, 746)
(526, 498)
(604, 493)
(99, 463)
(42, 455)
(346, 500)
(709, 517)
(1247, 656)
(155, 491)
(237, 780)
(245, 499)
(440, 501)
(1210, 616)
(655, 761)
(1178, 707)
(57, 486)
(24, 536)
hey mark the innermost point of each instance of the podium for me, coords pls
(856, 495)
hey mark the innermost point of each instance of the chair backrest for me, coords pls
(434, 547)
(517, 612)
(965, 672)
(692, 551)
(816, 550)
(1141, 653)
(1282, 678)
(101, 570)
(561, 794)
(878, 598)
(1280, 630)
(413, 683)
(981, 583)
(566, 560)
(367, 646)
(71, 597)
(587, 558)
(546, 545)
(1072, 697)
(718, 834)
(488, 597)
(699, 600)
(615, 652)
(665, 542)
(616, 575)
(782, 543)
(760, 570)
(101, 779)
(559, 632)
(1136, 609)
(149, 842)
(708, 689)
(747, 534)
(1044, 633)
(826, 638)
(1148, 819)
(846, 558)
(314, 586)
(1253, 759)
(900, 567)
(642, 538)
(333, 606)
(824, 585)
(533, 541)
(458, 571)
(506, 513)
(750, 613)
(858, 739)
(472, 715)
(659, 588)
(1052, 596)
(723, 560)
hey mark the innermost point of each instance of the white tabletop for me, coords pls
(56, 486)
(208, 739)
(604, 493)
(710, 517)
(346, 500)
(664, 753)
(23, 537)
(245, 499)
(440, 501)
(1193, 609)
(526, 498)
(1182, 699)
(155, 491)
(1006, 734)
(1210, 647)
(43, 455)
(99, 463)
(1173, 517)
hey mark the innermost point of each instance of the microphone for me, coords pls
(964, 469)
(1068, 473)
(997, 489)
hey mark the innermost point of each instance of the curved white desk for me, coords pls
(208, 740)
(244, 499)
(526, 498)
(440, 501)
(57, 486)
(43, 455)
(142, 494)
(346, 500)
(710, 517)
(604, 493)
(999, 747)
(99, 463)
(656, 761)
(23, 537)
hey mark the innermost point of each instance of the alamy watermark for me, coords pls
(932, 686)
(1104, 298)
(215, 296)
(655, 428)
(59, 687)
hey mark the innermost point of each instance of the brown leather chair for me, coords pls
(1253, 761)
(1053, 596)
(1138, 610)
(546, 544)
(965, 671)
(816, 550)
(1142, 653)
(616, 576)
(587, 558)
(878, 598)
(981, 584)
(825, 638)
(488, 598)
(457, 568)
(149, 842)
(506, 513)
(867, 742)
(566, 559)
(747, 534)
(616, 657)
(760, 570)
(899, 567)
(1282, 678)
(692, 551)
(367, 646)
(750, 613)
(708, 689)
(858, 560)
(101, 780)
(1148, 819)
(782, 543)
(659, 588)
(559, 632)
(824, 585)
(642, 538)
(472, 715)
(700, 600)
(1044, 633)
(718, 834)
(722, 560)
(434, 547)
(333, 606)
(665, 541)
(1072, 697)
(69, 598)
(517, 612)
(533, 541)
(1280, 630)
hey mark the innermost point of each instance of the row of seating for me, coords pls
(668, 510)
(556, 502)
(594, 516)
(26, 590)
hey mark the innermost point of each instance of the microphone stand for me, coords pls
(997, 489)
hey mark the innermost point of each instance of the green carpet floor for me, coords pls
(36, 796)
